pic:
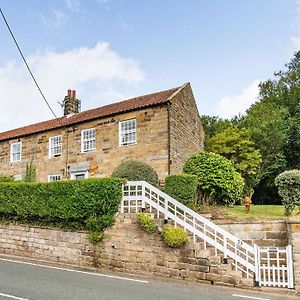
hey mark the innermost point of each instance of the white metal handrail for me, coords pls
(138, 194)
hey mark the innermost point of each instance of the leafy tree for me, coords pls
(218, 182)
(274, 125)
(235, 144)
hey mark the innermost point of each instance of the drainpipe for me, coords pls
(169, 139)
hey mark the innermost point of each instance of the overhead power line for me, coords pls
(20, 51)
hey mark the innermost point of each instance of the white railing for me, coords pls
(140, 195)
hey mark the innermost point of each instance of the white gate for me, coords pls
(274, 266)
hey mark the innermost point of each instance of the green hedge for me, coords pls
(81, 204)
(182, 187)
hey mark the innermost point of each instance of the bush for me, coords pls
(174, 237)
(95, 237)
(288, 184)
(218, 182)
(30, 173)
(146, 223)
(182, 187)
(5, 178)
(136, 170)
(81, 204)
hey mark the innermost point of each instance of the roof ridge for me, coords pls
(138, 102)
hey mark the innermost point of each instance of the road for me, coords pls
(23, 280)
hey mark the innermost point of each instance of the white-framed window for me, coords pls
(18, 177)
(55, 146)
(16, 152)
(127, 132)
(88, 140)
(79, 175)
(55, 177)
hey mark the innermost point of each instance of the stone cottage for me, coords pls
(161, 129)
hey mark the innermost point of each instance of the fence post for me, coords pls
(166, 208)
(290, 266)
(257, 262)
(143, 197)
(122, 202)
(225, 259)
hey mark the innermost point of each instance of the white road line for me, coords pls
(12, 297)
(74, 271)
(249, 297)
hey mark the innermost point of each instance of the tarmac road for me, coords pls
(23, 280)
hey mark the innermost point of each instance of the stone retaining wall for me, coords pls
(262, 233)
(129, 249)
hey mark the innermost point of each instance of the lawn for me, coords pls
(237, 212)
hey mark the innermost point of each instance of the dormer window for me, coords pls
(55, 146)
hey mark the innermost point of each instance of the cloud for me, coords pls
(57, 18)
(231, 105)
(99, 74)
(73, 5)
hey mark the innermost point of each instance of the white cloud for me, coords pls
(231, 105)
(98, 74)
(73, 5)
(57, 18)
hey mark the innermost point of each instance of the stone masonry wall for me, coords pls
(186, 129)
(126, 248)
(294, 240)
(151, 147)
(261, 233)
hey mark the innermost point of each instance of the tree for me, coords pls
(236, 145)
(274, 125)
(218, 182)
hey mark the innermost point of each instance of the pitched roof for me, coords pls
(101, 112)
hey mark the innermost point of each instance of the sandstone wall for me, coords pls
(261, 233)
(294, 240)
(186, 129)
(151, 147)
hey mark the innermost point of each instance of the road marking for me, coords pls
(74, 271)
(249, 297)
(12, 297)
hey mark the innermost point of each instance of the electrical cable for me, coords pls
(12, 35)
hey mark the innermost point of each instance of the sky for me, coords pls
(111, 50)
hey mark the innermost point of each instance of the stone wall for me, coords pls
(294, 240)
(186, 129)
(151, 147)
(262, 233)
(125, 249)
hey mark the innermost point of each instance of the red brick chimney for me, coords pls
(71, 104)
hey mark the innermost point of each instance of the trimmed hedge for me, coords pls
(182, 187)
(288, 184)
(5, 178)
(135, 170)
(79, 204)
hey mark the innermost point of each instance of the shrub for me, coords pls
(288, 184)
(136, 170)
(5, 178)
(146, 223)
(174, 236)
(182, 187)
(81, 204)
(30, 173)
(95, 237)
(218, 182)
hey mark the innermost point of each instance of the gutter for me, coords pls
(169, 138)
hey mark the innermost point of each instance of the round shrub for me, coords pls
(146, 223)
(182, 187)
(174, 236)
(218, 182)
(136, 170)
(288, 184)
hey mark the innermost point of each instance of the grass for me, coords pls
(237, 212)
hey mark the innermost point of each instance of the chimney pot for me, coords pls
(73, 94)
(69, 93)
